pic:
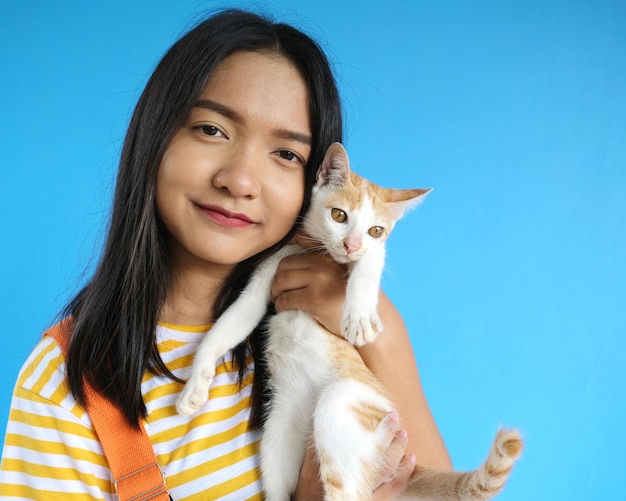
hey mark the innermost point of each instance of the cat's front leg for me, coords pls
(196, 390)
(360, 322)
(231, 329)
(233, 326)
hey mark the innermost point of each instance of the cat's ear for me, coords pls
(402, 201)
(335, 168)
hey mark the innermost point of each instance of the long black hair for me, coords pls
(114, 316)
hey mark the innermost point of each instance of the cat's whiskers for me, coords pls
(322, 234)
(387, 271)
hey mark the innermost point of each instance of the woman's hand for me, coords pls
(398, 464)
(309, 487)
(312, 282)
(393, 478)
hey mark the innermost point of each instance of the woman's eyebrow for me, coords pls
(296, 136)
(233, 115)
(219, 108)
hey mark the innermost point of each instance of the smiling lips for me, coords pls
(225, 217)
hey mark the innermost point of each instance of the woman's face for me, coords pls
(231, 182)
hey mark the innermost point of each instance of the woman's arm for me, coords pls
(390, 357)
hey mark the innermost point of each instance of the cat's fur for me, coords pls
(321, 389)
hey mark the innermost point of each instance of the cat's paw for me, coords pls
(195, 393)
(361, 327)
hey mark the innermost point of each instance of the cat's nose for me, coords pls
(351, 245)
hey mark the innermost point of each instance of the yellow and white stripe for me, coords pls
(51, 451)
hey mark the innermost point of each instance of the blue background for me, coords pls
(511, 276)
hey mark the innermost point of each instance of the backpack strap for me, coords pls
(136, 472)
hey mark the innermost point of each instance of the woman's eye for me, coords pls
(288, 155)
(210, 130)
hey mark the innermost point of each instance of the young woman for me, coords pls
(217, 165)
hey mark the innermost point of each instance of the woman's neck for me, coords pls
(192, 294)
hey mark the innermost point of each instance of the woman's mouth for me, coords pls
(224, 217)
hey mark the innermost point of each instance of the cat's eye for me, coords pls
(339, 215)
(376, 231)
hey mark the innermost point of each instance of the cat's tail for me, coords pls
(477, 485)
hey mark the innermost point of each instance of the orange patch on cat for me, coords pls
(497, 472)
(369, 416)
(330, 480)
(349, 364)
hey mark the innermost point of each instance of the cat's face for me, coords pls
(350, 215)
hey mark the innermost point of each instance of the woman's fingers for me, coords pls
(312, 282)
(398, 465)
(389, 489)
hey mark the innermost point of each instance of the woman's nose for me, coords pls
(240, 174)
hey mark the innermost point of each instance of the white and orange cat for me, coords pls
(321, 389)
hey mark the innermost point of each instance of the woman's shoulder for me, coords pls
(43, 378)
(42, 405)
(42, 365)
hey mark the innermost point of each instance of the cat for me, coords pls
(321, 388)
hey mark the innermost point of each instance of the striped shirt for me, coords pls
(51, 451)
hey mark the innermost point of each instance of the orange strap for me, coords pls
(136, 472)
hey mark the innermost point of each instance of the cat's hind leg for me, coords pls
(350, 438)
(283, 445)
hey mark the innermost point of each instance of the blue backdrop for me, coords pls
(511, 276)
